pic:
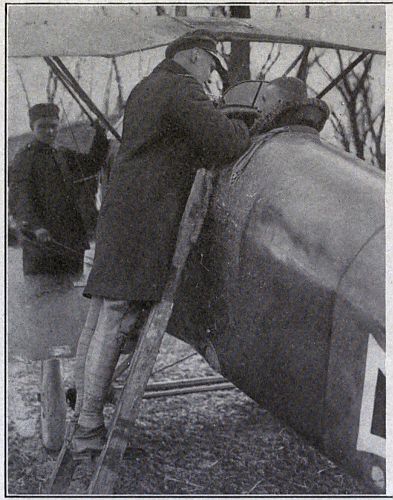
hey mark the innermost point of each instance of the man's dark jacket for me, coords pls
(170, 129)
(43, 194)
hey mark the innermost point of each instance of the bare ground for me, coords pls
(209, 443)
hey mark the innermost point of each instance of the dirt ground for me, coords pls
(210, 443)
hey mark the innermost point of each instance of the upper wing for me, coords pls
(113, 30)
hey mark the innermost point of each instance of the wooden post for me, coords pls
(53, 405)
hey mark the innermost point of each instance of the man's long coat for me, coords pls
(43, 194)
(170, 130)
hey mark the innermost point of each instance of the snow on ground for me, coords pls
(209, 443)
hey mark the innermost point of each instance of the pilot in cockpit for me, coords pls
(265, 106)
(284, 102)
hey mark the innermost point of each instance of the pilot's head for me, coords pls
(197, 53)
(44, 122)
(284, 101)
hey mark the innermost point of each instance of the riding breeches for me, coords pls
(107, 325)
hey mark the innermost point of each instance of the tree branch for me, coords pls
(270, 61)
(24, 88)
(340, 129)
(120, 94)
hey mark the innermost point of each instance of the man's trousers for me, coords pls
(107, 326)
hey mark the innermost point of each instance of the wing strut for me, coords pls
(66, 85)
(68, 80)
(334, 82)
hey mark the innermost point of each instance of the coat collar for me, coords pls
(173, 67)
(310, 112)
(40, 146)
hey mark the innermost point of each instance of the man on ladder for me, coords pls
(171, 129)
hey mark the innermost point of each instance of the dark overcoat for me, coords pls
(43, 184)
(170, 129)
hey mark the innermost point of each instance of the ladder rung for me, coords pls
(189, 390)
(179, 387)
(177, 384)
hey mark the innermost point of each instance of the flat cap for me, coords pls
(202, 39)
(43, 110)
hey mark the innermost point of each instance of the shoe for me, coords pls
(87, 442)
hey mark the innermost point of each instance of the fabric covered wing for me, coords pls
(113, 30)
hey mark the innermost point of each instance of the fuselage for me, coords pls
(285, 293)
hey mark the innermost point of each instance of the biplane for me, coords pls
(285, 293)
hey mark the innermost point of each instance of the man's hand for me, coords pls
(42, 235)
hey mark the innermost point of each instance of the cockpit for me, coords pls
(244, 100)
(263, 104)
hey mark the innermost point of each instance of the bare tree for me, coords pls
(304, 65)
(341, 131)
(160, 10)
(180, 10)
(78, 69)
(309, 57)
(120, 91)
(107, 91)
(114, 72)
(217, 10)
(279, 11)
(271, 59)
(239, 60)
(78, 77)
(26, 94)
(363, 128)
(51, 86)
(376, 124)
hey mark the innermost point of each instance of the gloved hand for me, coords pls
(42, 235)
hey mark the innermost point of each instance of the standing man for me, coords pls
(43, 201)
(170, 130)
(43, 198)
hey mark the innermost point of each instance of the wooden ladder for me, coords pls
(149, 342)
(147, 348)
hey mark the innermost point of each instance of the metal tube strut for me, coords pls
(86, 99)
(66, 85)
(334, 82)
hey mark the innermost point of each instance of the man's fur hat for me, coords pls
(43, 110)
(286, 103)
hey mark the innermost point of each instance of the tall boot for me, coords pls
(101, 360)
